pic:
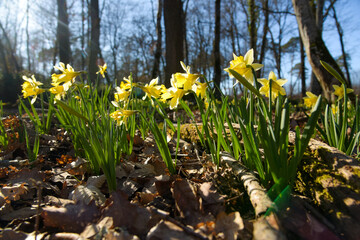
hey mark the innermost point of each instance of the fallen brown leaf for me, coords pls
(72, 217)
(126, 215)
(229, 224)
(186, 201)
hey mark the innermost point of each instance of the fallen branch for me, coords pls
(258, 197)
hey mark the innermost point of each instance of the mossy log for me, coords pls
(332, 180)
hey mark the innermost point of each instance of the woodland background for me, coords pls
(148, 38)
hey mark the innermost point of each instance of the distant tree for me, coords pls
(94, 38)
(315, 47)
(253, 18)
(174, 37)
(63, 33)
(216, 50)
(157, 55)
(341, 38)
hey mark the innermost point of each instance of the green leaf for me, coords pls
(245, 82)
(71, 110)
(333, 72)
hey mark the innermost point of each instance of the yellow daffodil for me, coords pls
(334, 108)
(243, 65)
(31, 88)
(200, 89)
(185, 80)
(276, 86)
(67, 77)
(339, 91)
(127, 83)
(122, 115)
(59, 92)
(121, 94)
(102, 70)
(174, 93)
(152, 89)
(310, 99)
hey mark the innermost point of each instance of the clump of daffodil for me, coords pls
(276, 86)
(185, 80)
(334, 108)
(121, 115)
(310, 99)
(102, 70)
(66, 77)
(339, 91)
(243, 65)
(200, 89)
(121, 95)
(127, 83)
(58, 91)
(181, 85)
(31, 88)
(174, 93)
(152, 89)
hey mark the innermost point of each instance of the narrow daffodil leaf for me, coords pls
(71, 110)
(333, 72)
(244, 82)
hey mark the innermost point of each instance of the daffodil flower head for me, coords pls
(152, 89)
(200, 89)
(243, 65)
(334, 108)
(276, 86)
(121, 94)
(31, 88)
(174, 93)
(121, 115)
(127, 83)
(185, 80)
(59, 92)
(310, 99)
(67, 76)
(102, 70)
(339, 91)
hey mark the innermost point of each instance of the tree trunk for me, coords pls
(217, 64)
(174, 38)
(94, 39)
(341, 35)
(252, 26)
(314, 46)
(302, 68)
(265, 31)
(28, 35)
(157, 55)
(82, 34)
(10, 50)
(63, 33)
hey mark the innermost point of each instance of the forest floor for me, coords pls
(57, 197)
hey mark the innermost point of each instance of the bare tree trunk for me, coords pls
(155, 71)
(94, 38)
(341, 35)
(314, 45)
(82, 34)
(186, 45)
(265, 5)
(3, 59)
(10, 50)
(315, 86)
(302, 68)
(253, 16)
(28, 35)
(63, 33)
(217, 67)
(174, 37)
